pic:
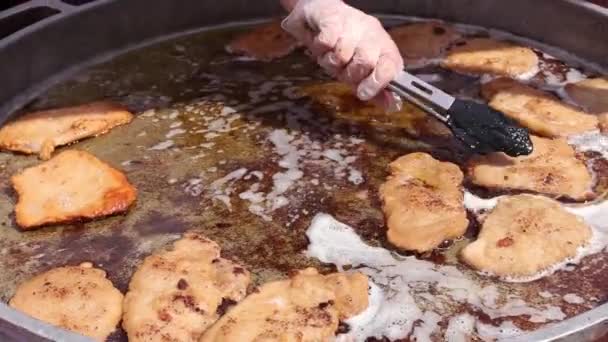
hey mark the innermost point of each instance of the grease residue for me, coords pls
(406, 285)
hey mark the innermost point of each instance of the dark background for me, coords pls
(600, 2)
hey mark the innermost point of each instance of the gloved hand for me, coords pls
(349, 44)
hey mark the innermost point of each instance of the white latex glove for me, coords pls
(349, 44)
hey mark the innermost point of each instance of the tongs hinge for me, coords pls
(422, 94)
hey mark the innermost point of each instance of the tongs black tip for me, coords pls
(486, 130)
(482, 129)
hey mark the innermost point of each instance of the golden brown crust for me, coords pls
(265, 43)
(488, 56)
(307, 307)
(175, 295)
(422, 41)
(524, 235)
(71, 186)
(552, 169)
(339, 100)
(76, 298)
(40, 132)
(423, 202)
(537, 110)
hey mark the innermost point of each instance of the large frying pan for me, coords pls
(44, 41)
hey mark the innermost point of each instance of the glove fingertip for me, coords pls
(366, 91)
(284, 23)
(288, 23)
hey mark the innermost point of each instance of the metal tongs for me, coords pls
(479, 127)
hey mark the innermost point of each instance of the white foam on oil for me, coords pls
(573, 299)
(404, 281)
(460, 328)
(295, 150)
(222, 188)
(173, 115)
(427, 327)
(477, 204)
(216, 121)
(505, 330)
(344, 165)
(148, 113)
(591, 141)
(517, 306)
(263, 203)
(595, 215)
(284, 180)
(557, 82)
(358, 324)
(574, 75)
(545, 294)
(163, 145)
(194, 187)
(174, 132)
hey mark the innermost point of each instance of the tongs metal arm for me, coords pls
(427, 97)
